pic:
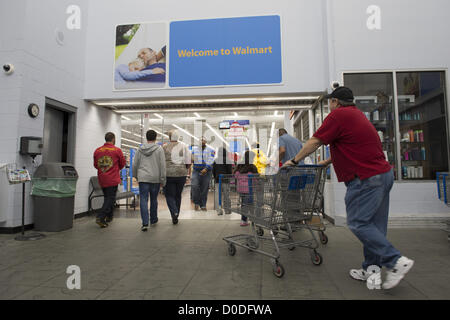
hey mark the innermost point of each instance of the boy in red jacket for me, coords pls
(108, 160)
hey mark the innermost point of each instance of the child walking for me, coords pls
(242, 172)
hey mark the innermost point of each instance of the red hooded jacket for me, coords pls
(108, 160)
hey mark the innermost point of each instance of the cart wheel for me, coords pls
(278, 270)
(260, 232)
(231, 249)
(323, 237)
(316, 258)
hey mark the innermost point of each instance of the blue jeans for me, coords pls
(144, 190)
(200, 186)
(367, 204)
(173, 190)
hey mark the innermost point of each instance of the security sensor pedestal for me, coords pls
(23, 236)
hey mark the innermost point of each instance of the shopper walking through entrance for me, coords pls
(288, 146)
(203, 158)
(149, 168)
(178, 162)
(359, 162)
(108, 160)
(222, 166)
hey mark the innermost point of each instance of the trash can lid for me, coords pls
(55, 170)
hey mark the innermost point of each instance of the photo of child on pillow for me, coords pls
(146, 67)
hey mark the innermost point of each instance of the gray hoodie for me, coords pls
(149, 165)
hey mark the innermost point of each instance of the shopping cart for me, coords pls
(317, 211)
(270, 202)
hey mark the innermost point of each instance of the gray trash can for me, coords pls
(53, 189)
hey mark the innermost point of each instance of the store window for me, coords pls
(373, 96)
(422, 120)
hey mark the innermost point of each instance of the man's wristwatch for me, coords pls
(293, 161)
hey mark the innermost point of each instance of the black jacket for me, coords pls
(222, 167)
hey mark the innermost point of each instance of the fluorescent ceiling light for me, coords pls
(185, 131)
(126, 118)
(159, 116)
(217, 134)
(127, 145)
(165, 135)
(197, 115)
(236, 114)
(248, 143)
(272, 130)
(126, 131)
(276, 113)
(133, 141)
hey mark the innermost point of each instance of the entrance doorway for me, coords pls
(236, 131)
(59, 137)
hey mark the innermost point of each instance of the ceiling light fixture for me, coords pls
(217, 134)
(185, 131)
(133, 141)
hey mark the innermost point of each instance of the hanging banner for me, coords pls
(212, 52)
(230, 51)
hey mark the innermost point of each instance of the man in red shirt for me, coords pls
(108, 160)
(359, 162)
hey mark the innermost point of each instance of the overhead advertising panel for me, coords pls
(197, 53)
(231, 51)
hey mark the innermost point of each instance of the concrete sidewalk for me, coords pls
(190, 261)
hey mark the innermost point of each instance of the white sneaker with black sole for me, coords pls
(396, 274)
(359, 274)
(144, 228)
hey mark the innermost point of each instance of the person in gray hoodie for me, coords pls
(149, 168)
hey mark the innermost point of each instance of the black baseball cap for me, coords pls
(341, 93)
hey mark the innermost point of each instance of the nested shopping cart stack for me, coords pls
(279, 205)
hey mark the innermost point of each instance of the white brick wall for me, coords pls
(45, 69)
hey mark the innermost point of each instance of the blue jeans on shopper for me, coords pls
(173, 190)
(200, 186)
(367, 204)
(145, 189)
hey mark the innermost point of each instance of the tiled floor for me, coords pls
(190, 261)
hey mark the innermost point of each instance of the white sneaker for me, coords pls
(374, 279)
(394, 275)
(359, 274)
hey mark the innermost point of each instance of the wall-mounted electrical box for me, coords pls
(31, 146)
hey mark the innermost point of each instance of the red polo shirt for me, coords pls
(354, 144)
(108, 160)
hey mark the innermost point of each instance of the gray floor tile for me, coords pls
(8, 292)
(229, 283)
(190, 261)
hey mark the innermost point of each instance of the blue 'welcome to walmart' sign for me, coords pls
(230, 51)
